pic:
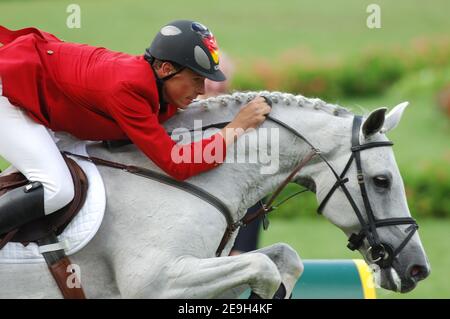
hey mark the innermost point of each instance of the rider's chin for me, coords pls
(183, 103)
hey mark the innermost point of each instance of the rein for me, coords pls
(202, 194)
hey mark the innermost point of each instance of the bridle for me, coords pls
(380, 253)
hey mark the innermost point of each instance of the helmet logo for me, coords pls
(208, 40)
(170, 30)
(211, 44)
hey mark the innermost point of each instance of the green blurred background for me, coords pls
(313, 48)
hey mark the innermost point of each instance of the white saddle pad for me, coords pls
(80, 230)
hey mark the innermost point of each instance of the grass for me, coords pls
(318, 239)
(246, 29)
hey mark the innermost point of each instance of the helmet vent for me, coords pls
(169, 30)
(201, 58)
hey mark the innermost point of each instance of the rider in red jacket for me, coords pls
(97, 94)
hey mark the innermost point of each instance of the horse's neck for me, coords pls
(240, 185)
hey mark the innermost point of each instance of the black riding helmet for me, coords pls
(189, 44)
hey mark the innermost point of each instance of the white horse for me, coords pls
(157, 241)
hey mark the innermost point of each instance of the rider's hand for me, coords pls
(250, 116)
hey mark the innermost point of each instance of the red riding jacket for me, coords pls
(94, 94)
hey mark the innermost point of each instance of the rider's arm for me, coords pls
(134, 115)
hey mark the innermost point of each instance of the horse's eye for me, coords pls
(382, 181)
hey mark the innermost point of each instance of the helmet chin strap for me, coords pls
(160, 84)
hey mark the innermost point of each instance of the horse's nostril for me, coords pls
(418, 272)
(415, 271)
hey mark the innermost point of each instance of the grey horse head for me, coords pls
(385, 194)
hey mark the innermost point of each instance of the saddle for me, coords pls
(44, 231)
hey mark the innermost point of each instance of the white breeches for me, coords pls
(29, 147)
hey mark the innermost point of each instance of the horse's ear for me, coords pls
(394, 117)
(374, 122)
